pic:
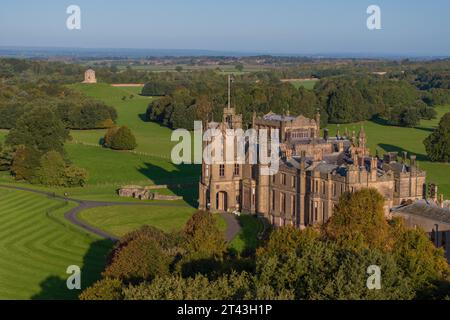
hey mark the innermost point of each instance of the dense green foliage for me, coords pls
(18, 97)
(41, 129)
(438, 143)
(343, 99)
(325, 263)
(204, 96)
(37, 148)
(119, 138)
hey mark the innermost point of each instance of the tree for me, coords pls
(75, 176)
(40, 129)
(304, 264)
(203, 236)
(179, 68)
(141, 255)
(228, 287)
(358, 221)
(239, 67)
(105, 289)
(123, 139)
(51, 170)
(438, 143)
(24, 163)
(204, 245)
(6, 156)
(421, 261)
(107, 140)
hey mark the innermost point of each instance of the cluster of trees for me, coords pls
(34, 151)
(76, 111)
(119, 138)
(87, 115)
(204, 96)
(438, 143)
(343, 99)
(355, 99)
(329, 262)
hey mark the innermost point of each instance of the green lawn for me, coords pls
(151, 137)
(37, 246)
(390, 138)
(307, 84)
(119, 220)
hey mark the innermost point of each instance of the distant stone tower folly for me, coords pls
(89, 76)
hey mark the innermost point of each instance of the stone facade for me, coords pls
(314, 172)
(89, 76)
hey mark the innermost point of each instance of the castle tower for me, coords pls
(220, 185)
(89, 76)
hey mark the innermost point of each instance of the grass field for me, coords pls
(307, 84)
(151, 137)
(120, 220)
(37, 246)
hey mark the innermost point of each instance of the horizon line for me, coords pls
(242, 53)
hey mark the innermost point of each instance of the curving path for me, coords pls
(233, 226)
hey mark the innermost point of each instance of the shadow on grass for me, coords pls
(94, 261)
(400, 150)
(430, 130)
(143, 117)
(380, 121)
(383, 122)
(183, 181)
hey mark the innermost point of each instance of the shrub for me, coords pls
(123, 139)
(107, 140)
(75, 176)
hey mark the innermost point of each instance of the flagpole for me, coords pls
(229, 91)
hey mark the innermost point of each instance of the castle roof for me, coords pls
(426, 209)
(276, 117)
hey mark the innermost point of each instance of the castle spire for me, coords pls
(230, 80)
(318, 122)
(362, 138)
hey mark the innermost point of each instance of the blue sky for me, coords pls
(282, 26)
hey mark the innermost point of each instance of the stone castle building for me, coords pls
(89, 76)
(315, 170)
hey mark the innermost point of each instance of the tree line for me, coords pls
(341, 99)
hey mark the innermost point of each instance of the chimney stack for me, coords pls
(405, 156)
(326, 134)
(373, 168)
(413, 160)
